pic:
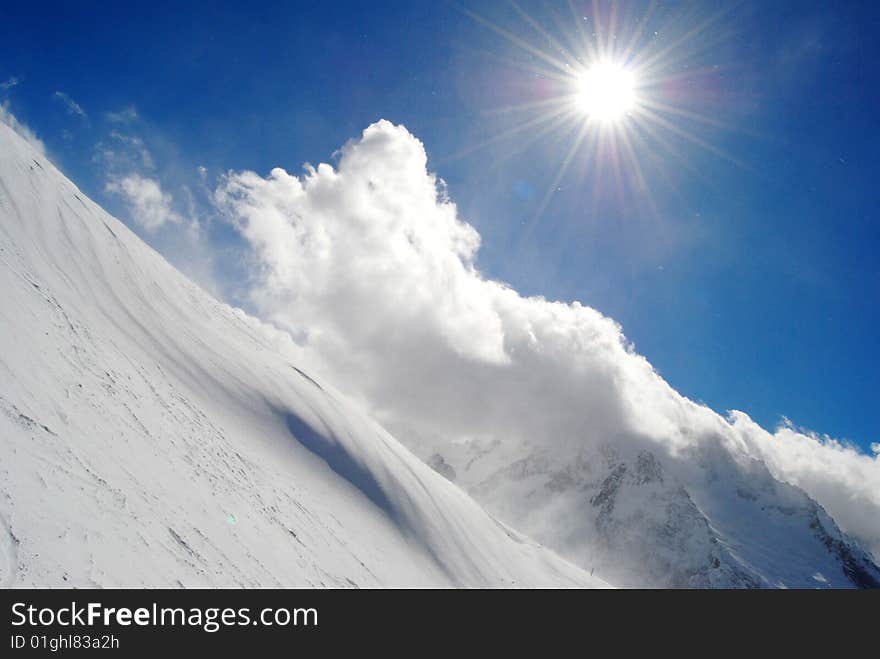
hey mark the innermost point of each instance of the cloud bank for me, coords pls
(368, 265)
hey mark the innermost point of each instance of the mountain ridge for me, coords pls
(640, 520)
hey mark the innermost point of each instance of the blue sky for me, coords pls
(746, 272)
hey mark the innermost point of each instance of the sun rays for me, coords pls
(610, 77)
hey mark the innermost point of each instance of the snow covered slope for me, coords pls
(150, 435)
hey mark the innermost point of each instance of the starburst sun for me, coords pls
(613, 94)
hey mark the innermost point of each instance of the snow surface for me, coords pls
(152, 436)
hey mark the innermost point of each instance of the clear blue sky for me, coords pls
(747, 272)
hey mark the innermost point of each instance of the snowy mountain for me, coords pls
(542, 409)
(707, 518)
(154, 436)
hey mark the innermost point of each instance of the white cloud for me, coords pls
(369, 266)
(150, 206)
(845, 481)
(137, 145)
(124, 116)
(72, 106)
(10, 83)
(128, 166)
(6, 117)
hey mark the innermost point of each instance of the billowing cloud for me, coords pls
(150, 207)
(72, 106)
(368, 265)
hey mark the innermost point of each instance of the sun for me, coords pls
(605, 92)
(608, 92)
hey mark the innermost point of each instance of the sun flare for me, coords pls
(605, 91)
(610, 91)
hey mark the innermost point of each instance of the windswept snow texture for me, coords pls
(154, 436)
